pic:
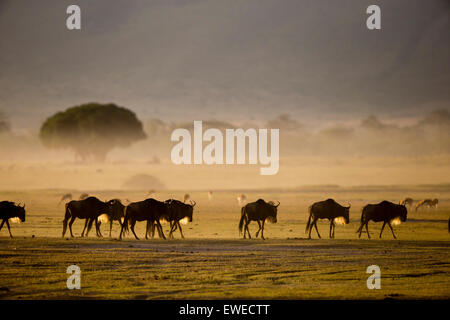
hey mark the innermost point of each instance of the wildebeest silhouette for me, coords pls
(384, 211)
(65, 197)
(178, 211)
(428, 202)
(116, 213)
(258, 211)
(149, 210)
(10, 210)
(327, 209)
(89, 209)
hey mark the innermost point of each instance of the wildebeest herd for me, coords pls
(175, 212)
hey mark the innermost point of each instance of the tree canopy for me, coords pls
(92, 130)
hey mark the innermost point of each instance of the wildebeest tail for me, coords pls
(126, 219)
(241, 222)
(309, 220)
(68, 213)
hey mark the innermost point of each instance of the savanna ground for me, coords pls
(214, 263)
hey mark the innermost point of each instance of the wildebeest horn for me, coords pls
(277, 204)
(193, 203)
(349, 205)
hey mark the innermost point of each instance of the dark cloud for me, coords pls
(227, 60)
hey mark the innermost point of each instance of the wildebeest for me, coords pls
(65, 197)
(428, 202)
(407, 202)
(178, 211)
(9, 210)
(149, 210)
(186, 197)
(83, 196)
(241, 199)
(89, 209)
(384, 211)
(258, 211)
(116, 213)
(327, 209)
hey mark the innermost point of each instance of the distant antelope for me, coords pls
(241, 199)
(64, 197)
(186, 197)
(428, 202)
(210, 194)
(83, 196)
(407, 201)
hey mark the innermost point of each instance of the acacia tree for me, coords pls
(91, 130)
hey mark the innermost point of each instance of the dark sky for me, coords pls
(247, 59)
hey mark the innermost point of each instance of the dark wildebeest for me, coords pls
(258, 211)
(149, 210)
(177, 211)
(384, 211)
(328, 209)
(9, 210)
(116, 213)
(89, 209)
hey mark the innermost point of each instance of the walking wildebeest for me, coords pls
(116, 213)
(89, 209)
(9, 210)
(407, 201)
(328, 209)
(428, 202)
(258, 211)
(384, 211)
(178, 211)
(67, 196)
(149, 210)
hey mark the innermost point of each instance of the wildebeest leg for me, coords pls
(259, 229)
(262, 230)
(3, 222)
(85, 225)
(382, 228)
(171, 230)
(334, 228)
(317, 230)
(389, 224)
(91, 221)
(367, 229)
(181, 231)
(147, 228)
(160, 230)
(97, 228)
(331, 227)
(248, 230)
(9, 229)
(133, 223)
(70, 225)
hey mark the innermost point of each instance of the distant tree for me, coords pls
(4, 123)
(91, 130)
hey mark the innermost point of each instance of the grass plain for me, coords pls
(213, 262)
